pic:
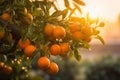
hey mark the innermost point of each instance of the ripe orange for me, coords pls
(2, 64)
(86, 30)
(59, 32)
(29, 50)
(74, 27)
(2, 34)
(88, 39)
(48, 30)
(30, 17)
(53, 68)
(102, 24)
(5, 16)
(25, 10)
(43, 63)
(7, 70)
(77, 35)
(64, 49)
(22, 44)
(55, 49)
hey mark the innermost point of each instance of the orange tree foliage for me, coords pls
(40, 28)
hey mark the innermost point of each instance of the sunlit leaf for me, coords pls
(79, 2)
(100, 38)
(67, 5)
(65, 12)
(95, 32)
(72, 11)
(78, 8)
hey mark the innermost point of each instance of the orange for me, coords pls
(86, 30)
(74, 27)
(30, 16)
(48, 30)
(5, 16)
(59, 32)
(43, 62)
(29, 50)
(23, 44)
(7, 70)
(2, 64)
(102, 24)
(2, 34)
(88, 39)
(28, 19)
(25, 10)
(77, 35)
(55, 49)
(64, 49)
(53, 68)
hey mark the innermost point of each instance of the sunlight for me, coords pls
(103, 8)
(93, 13)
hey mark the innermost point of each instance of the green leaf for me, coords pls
(48, 5)
(57, 13)
(79, 2)
(77, 55)
(100, 38)
(71, 54)
(95, 32)
(30, 30)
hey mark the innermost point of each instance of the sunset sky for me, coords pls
(108, 9)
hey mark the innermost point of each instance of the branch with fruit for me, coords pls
(40, 30)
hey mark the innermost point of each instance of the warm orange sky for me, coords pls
(108, 9)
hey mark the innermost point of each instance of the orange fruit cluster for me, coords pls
(45, 64)
(81, 32)
(27, 47)
(28, 19)
(61, 49)
(7, 70)
(54, 32)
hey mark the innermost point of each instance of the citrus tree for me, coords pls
(37, 30)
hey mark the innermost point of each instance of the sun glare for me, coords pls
(93, 13)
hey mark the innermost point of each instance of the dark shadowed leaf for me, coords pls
(30, 30)
(77, 55)
(79, 2)
(71, 54)
(57, 13)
